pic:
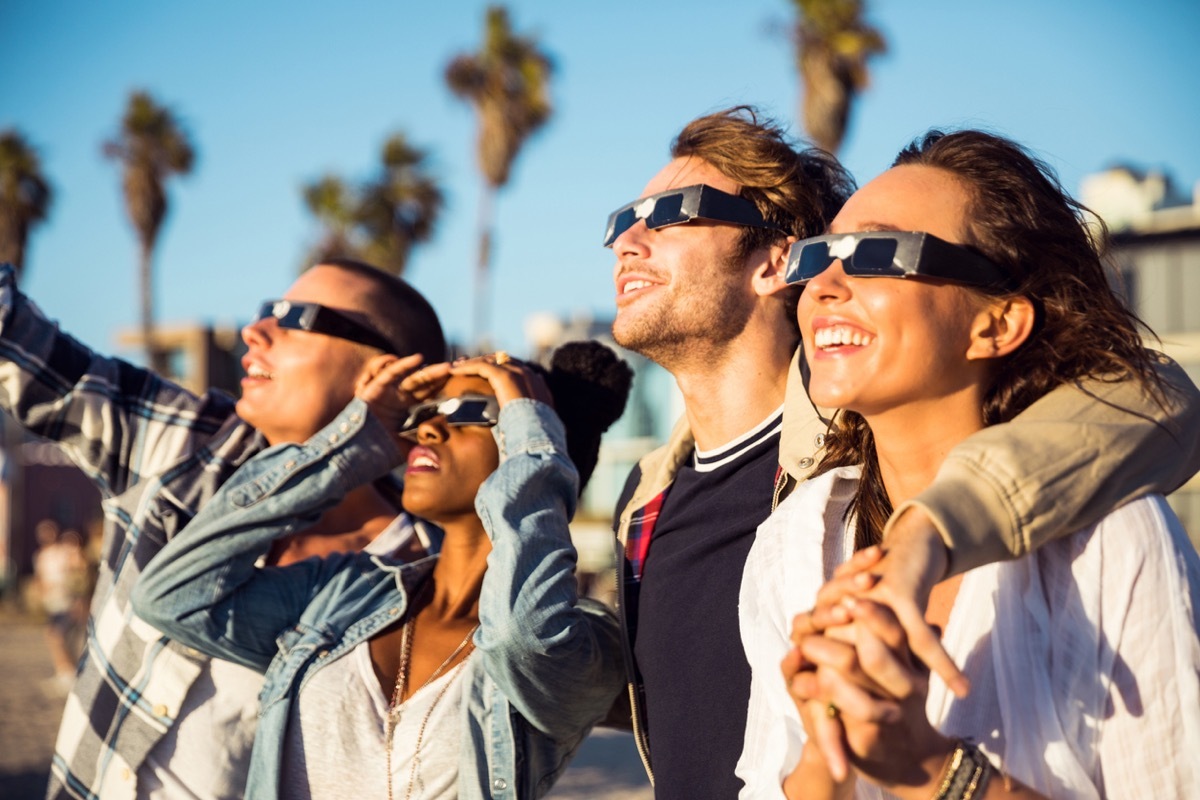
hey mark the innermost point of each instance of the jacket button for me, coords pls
(343, 427)
(820, 440)
(126, 774)
(322, 654)
(806, 462)
(499, 784)
(393, 611)
(333, 437)
(289, 465)
(160, 710)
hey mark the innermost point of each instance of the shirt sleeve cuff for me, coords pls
(974, 519)
(529, 426)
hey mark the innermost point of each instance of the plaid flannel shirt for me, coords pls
(157, 453)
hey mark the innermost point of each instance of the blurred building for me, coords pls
(199, 357)
(1156, 236)
(654, 405)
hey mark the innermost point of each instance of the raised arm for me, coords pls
(1061, 465)
(556, 657)
(204, 588)
(1058, 467)
(117, 422)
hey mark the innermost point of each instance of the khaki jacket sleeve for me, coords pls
(1061, 465)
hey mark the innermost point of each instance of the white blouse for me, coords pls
(1084, 656)
(335, 744)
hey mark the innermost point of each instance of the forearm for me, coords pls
(541, 642)
(204, 587)
(1061, 465)
(810, 780)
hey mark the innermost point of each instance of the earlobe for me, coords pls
(769, 276)
(1001, 328)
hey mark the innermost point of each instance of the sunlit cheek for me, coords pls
(833, 383)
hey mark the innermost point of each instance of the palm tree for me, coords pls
(151, 147)
(507, 82)
(25, 197)
(833, 44)
(334, 204)
(382, 219)
(400, 208)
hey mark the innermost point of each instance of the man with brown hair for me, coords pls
(148, 717)
(701, 291)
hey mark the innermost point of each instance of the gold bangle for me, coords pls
(966, 775)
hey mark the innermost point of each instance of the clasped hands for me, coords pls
(858, 670)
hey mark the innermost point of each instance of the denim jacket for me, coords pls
(549, 663)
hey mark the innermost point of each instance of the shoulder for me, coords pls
(797, 546)
(815, 503)
(1141, 530)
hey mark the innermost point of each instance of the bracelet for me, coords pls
(967, 773)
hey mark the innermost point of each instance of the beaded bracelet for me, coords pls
(967, 773)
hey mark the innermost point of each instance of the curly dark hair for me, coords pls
(1021, 219)
(590, 385)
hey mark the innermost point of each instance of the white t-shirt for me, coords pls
(335, 737)
(205, 755)
(1084, 656)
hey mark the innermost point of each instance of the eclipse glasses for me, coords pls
(469, 409)
(682, 205)
(316, 318)
(893, 254)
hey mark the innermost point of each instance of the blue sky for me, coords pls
(276, 94)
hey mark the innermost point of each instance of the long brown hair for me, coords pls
(1021, 218)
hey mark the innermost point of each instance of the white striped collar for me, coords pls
(709, 460)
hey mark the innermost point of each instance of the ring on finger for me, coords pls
(832, 711)
(501, 357)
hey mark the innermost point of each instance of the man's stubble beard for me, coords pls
(679, 329)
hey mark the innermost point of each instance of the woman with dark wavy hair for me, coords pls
(473, 673)
(951, 293)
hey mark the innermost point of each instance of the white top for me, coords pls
(1084, 657)
(206, 753)
(335, 739)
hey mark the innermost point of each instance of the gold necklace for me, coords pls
(393, 711)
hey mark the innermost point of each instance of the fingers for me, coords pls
(508, 377)
(882, 652)
(426, 381)
(860, 562)
(829, 737)
(849, 585)
(381, 370)
(925, 643)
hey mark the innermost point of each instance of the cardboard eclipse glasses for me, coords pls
(893, 254)
(682, 205)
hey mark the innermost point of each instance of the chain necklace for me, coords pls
(393, 712)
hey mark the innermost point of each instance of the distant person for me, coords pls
(60, 569)
(951, 293)
(474, 673)
(148, 716)
(700, 270)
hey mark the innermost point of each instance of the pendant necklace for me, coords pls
(393, 711)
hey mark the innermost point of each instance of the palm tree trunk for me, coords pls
(481, 317)
(155, 359)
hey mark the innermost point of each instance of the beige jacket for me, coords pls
(1059, 466)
